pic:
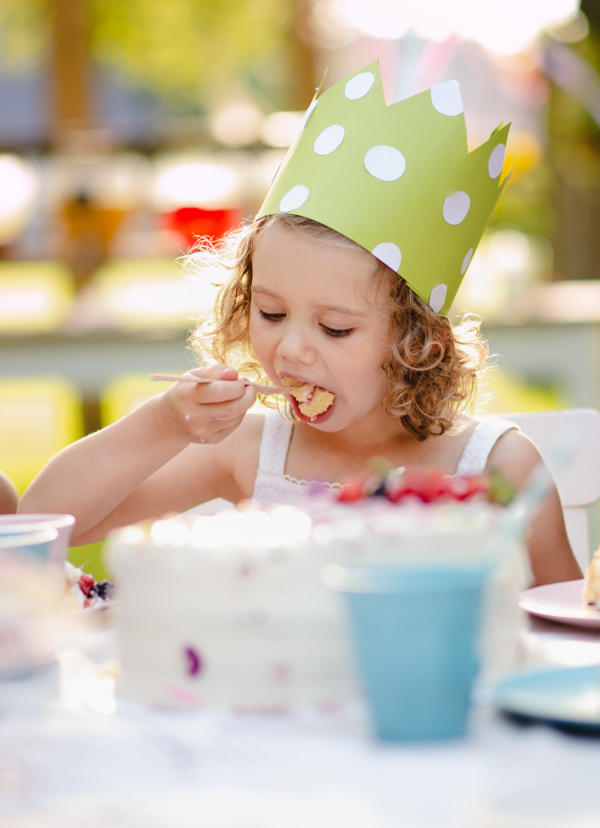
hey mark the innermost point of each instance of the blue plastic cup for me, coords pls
(415, 631)
(29, 522)
(29, 539)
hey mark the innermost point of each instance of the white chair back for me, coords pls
(578, 483)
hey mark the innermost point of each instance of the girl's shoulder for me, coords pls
(515, 455)
(494, 443)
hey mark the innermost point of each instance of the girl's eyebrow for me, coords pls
(334, 308)
(339, 309)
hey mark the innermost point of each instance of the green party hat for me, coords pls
(398, 180)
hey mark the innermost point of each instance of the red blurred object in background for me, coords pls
(191, 222)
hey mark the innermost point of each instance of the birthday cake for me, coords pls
(231, 609)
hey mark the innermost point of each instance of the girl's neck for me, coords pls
(375, 434)
(339, 455)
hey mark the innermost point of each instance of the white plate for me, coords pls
(560, 602)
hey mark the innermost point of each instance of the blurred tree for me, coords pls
(24, 35)
(185, 52)
(188, 51)
(71, 67)
(527, 201)
(574, 153)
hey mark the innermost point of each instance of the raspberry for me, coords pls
(351, 492)
(86, 583)
(468, 487)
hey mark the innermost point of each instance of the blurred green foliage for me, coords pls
(574, 135)
(184, 51)
(527, 202)
(90, 557)
(24, 34)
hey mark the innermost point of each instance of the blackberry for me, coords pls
(104, 590)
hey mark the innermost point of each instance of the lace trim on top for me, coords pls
(273, 485)
(297, 482)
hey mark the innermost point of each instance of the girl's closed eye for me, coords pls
(271, 317)
(337, 332)
(332, 332)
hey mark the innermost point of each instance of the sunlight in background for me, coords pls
(280, 128)
(142, 294)
(35, 297)
(236, 123)
(17, 195)
(506, 264)
(501, 26)
(201, 183)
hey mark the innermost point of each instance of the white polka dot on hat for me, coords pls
(294, 198)
(466, 261)
(438, 297)
(307, 115)
(385, 163)
(446, 98)
(456, 207)
(388, 253)
(329, 140)
(496, 161)
(358, 86)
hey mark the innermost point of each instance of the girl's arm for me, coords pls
(162, 457)
(9, 498)
(552, 559)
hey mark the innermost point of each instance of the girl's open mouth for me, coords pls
(310, 402)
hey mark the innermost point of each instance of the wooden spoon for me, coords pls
(262, 389)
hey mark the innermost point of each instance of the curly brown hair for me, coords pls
(432, 365)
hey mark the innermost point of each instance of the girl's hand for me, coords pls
(206, 413)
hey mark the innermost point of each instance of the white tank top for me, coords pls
(274, 486)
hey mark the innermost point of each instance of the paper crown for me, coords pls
(398, 180)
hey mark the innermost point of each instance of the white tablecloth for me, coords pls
(61, 764)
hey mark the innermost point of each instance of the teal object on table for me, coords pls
(415, 632)
(29, 539)
(566, 696)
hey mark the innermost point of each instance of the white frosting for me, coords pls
(232, 610)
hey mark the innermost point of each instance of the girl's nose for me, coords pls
(294, 346)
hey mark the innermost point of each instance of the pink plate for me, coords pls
(560, 602)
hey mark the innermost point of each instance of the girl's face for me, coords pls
(317, 315)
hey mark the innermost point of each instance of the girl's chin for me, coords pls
(320, 418)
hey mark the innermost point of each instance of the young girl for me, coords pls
(302, 303)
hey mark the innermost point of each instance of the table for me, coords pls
(65, 765)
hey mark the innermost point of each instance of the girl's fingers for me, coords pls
(211, 423)
(232, 409)
(218, 391)
(215, 371)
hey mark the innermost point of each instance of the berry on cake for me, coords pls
(82, 591)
